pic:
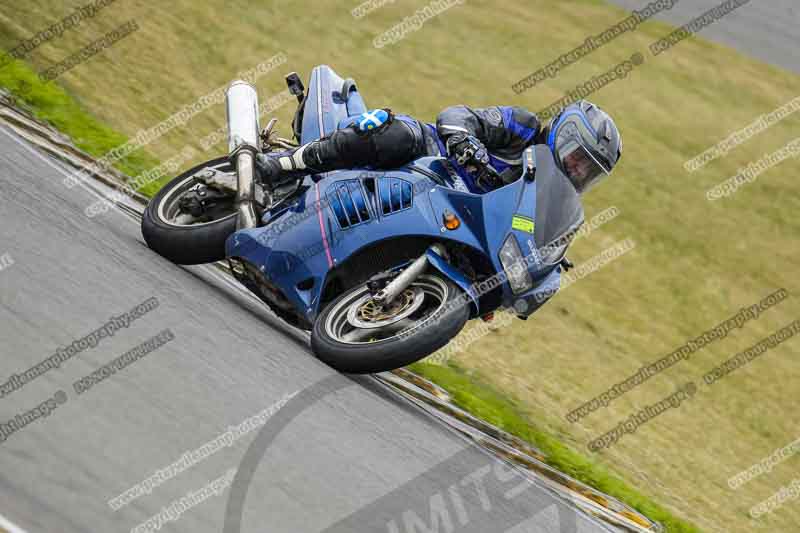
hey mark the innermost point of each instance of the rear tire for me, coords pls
(185, 244)
(420, 340)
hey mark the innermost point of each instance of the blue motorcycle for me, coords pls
(383, 267)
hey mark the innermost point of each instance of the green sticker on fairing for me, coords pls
(522, 224)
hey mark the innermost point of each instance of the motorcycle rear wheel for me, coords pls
(355, 336)
(181, 238)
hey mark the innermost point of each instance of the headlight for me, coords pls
(514, 265)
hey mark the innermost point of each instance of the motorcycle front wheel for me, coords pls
(356, 335)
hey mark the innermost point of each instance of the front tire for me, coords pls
(431, 313)
(180, 238)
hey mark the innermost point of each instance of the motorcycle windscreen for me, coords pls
(559, 211)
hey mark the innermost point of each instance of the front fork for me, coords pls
(434, 257)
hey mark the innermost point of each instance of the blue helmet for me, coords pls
(585, 142)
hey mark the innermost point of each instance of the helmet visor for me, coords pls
(582, 168)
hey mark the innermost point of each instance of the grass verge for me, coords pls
(49, 102)
(479, 398)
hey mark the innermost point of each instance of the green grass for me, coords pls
(478, 397)
(51, 103)
(695, 262)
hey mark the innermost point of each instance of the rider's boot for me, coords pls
(311, 158)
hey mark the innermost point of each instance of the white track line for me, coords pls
(6, 525)
(14, 137)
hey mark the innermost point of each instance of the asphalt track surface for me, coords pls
(764, 29)
(342, 455)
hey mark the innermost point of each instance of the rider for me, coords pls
(584, 140)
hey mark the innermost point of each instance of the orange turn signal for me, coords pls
(451, 221)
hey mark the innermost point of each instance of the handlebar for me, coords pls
(476, 156)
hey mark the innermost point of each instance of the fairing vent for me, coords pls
(348, 203)
(394, 195)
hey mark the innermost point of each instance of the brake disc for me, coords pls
(365, 313)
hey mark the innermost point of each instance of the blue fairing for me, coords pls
(348, 211)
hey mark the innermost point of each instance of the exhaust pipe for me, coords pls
(241, 105)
